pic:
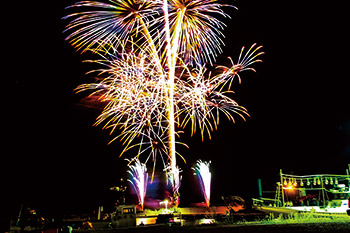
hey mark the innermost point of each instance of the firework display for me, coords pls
(154, 75)
(139, 179)
(204, 175)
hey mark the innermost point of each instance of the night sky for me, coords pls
(298, 101)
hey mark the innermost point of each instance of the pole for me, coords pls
(277, 195)
(282, 188)
(347, 173)
(323, 190)
(259, 188)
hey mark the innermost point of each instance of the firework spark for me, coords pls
(174, 179)
(113, 23)
(154, 78)
(139, 179)
(200, 32)
(204, 175)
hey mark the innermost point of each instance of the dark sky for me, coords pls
(298, 101)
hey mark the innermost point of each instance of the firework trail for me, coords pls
(139, 179)
(154, 79)
(204, 175)
(174, 179)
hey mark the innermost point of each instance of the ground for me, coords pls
(330, 227)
